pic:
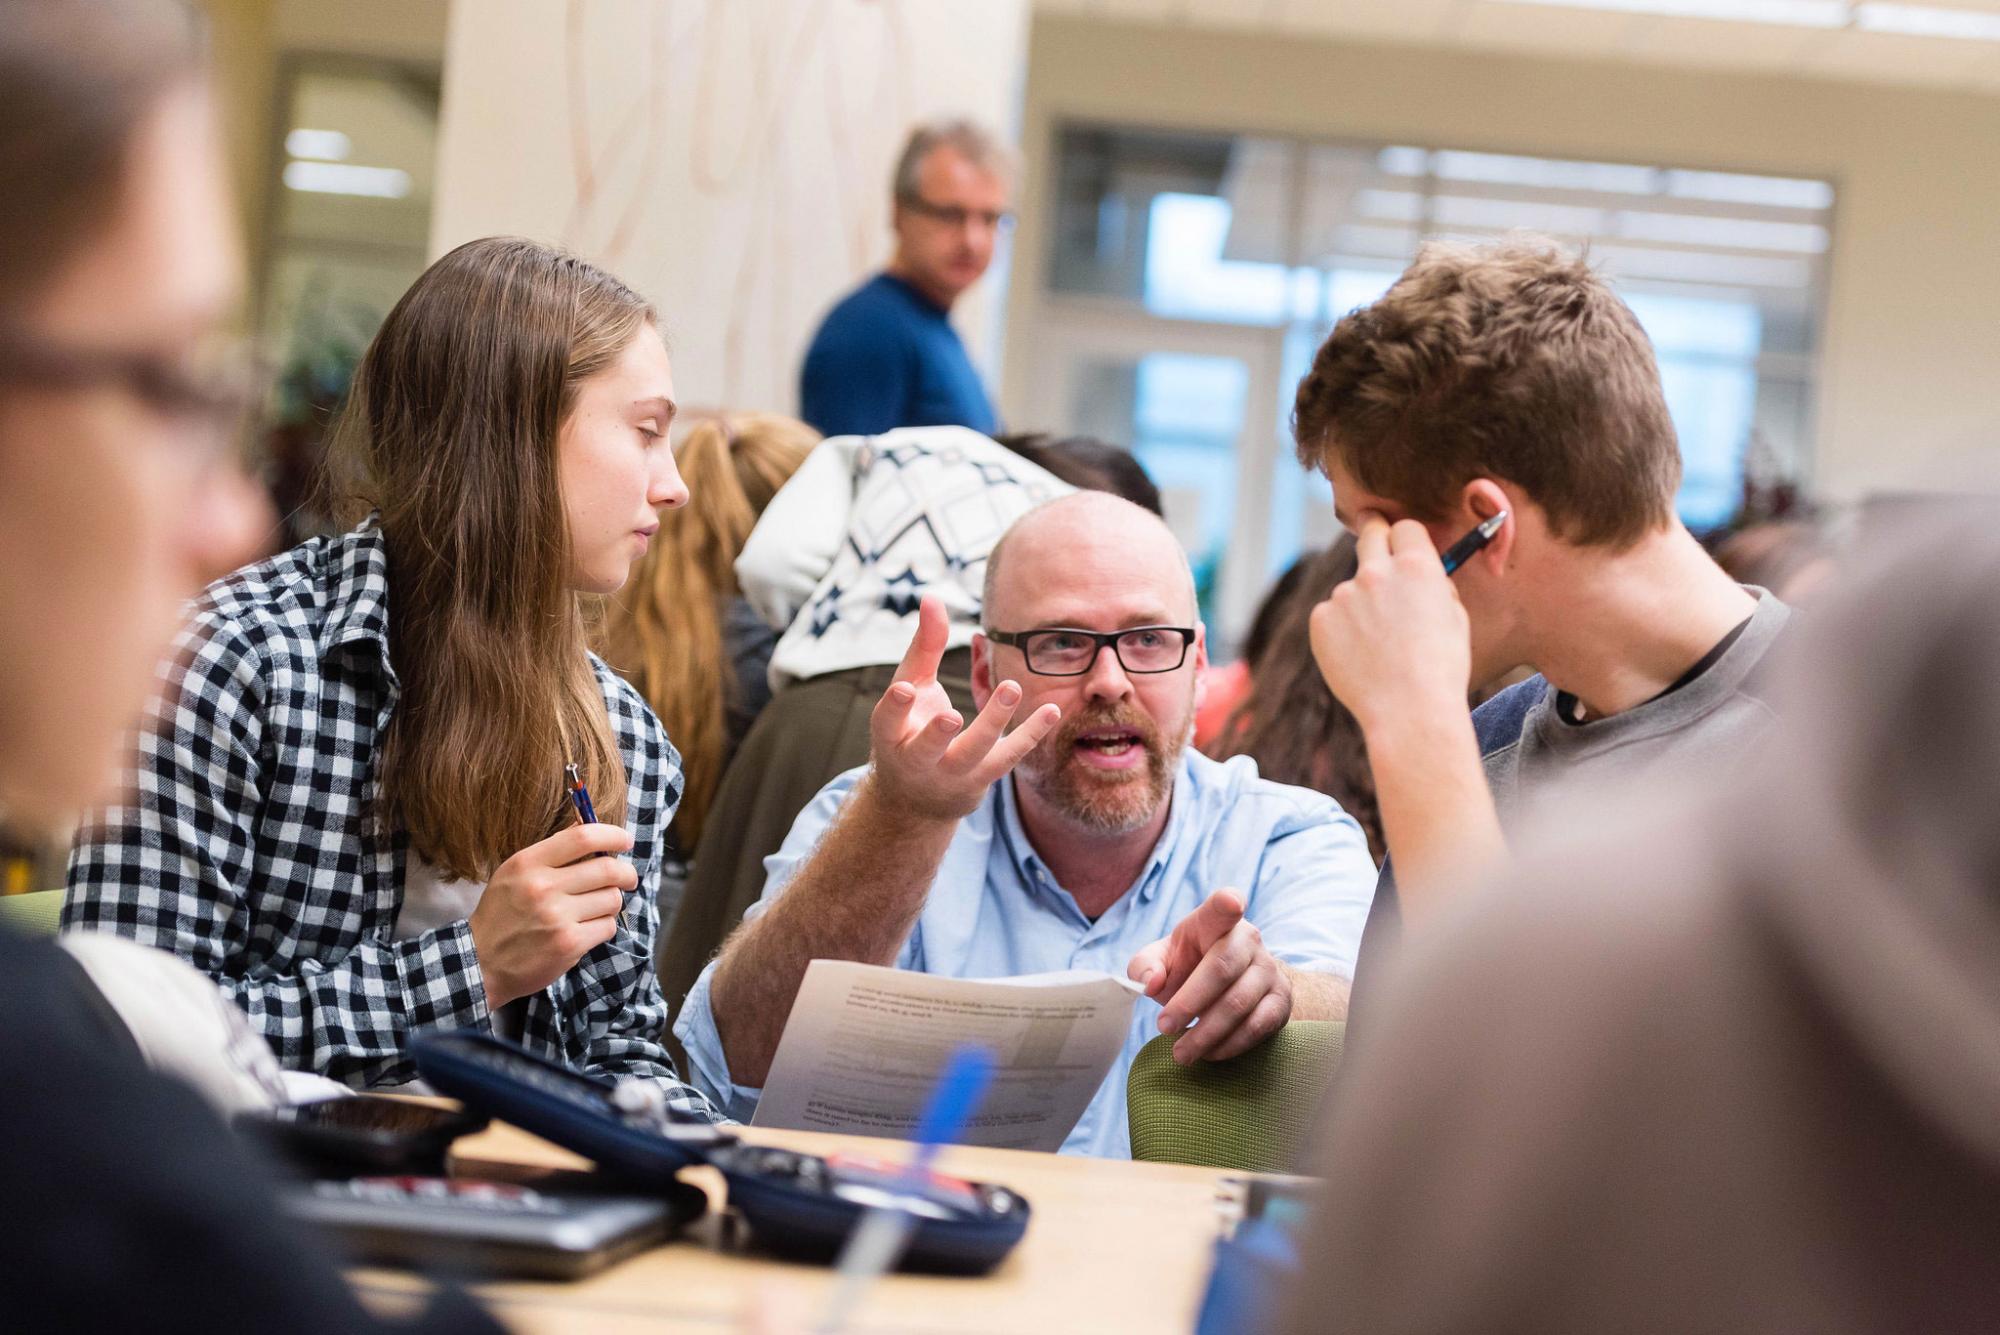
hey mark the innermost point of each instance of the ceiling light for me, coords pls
(1694, 266)
(1799, 13)
(1505, 215)
(326, 145)
(1694, 229)
(1928, 21)
(340, 178)
(1389, 205)
(1552, 173)
(1402, 160)
(1784, 192)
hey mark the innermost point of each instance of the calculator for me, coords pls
(800, 1205)
(499, 1228)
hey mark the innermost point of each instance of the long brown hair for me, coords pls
(451, 433)
(664, 631)
(1289, 722)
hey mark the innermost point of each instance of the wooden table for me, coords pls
(1111, 1246)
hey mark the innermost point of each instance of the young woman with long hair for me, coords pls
(681, 630)
(351, 809)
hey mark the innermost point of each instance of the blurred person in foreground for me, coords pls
(130, 1206)
(1728, 1062)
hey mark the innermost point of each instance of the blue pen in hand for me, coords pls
(877, 1241)
(579, 797)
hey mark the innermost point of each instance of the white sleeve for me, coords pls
(799, 533)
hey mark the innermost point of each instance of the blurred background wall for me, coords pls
(729, 157)
(1800, 210)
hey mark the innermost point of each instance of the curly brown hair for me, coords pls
(1513, 361)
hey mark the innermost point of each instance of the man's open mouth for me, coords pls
(1112, 743)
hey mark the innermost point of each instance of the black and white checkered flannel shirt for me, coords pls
(246, 848)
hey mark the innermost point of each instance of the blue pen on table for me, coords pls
(579, 797)
(1469, 546)
(878, 1240)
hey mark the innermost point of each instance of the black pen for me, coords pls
(1468, 546)
(579, 797)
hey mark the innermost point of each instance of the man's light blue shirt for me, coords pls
(995, 911)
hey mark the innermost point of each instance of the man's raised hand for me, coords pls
(927, 762)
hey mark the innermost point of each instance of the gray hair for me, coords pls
(971, 140)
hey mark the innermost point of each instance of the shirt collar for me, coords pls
(356, 574)
(1034, 872)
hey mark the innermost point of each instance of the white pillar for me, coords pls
(728, 158)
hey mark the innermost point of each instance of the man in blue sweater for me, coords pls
(886, 355)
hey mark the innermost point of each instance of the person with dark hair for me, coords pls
(1229, 685)
(1722, 1059)
(1790, 557)
(886, 355)
(1088, 464)
(1288, 722)
(130, 1206)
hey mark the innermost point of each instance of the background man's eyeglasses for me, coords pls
(994, 220)
(1060, 651)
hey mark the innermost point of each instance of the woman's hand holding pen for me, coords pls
(548, 906)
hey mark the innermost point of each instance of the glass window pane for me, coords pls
(1726, 271)
(1187, 277)
(1182, 415)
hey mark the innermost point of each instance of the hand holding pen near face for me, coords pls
(1394, 641)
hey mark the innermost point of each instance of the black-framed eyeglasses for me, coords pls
(210, 393)
(1066, 651)
(954, 217)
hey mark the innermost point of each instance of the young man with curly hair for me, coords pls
(1511, 378)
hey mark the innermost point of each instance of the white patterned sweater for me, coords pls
(867, 526)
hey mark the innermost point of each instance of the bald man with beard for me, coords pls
(1085, 836)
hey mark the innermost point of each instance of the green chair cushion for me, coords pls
(1252, 1113)
(37, 913)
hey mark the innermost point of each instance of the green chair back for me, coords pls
(37, 913)
(1252, 1113)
